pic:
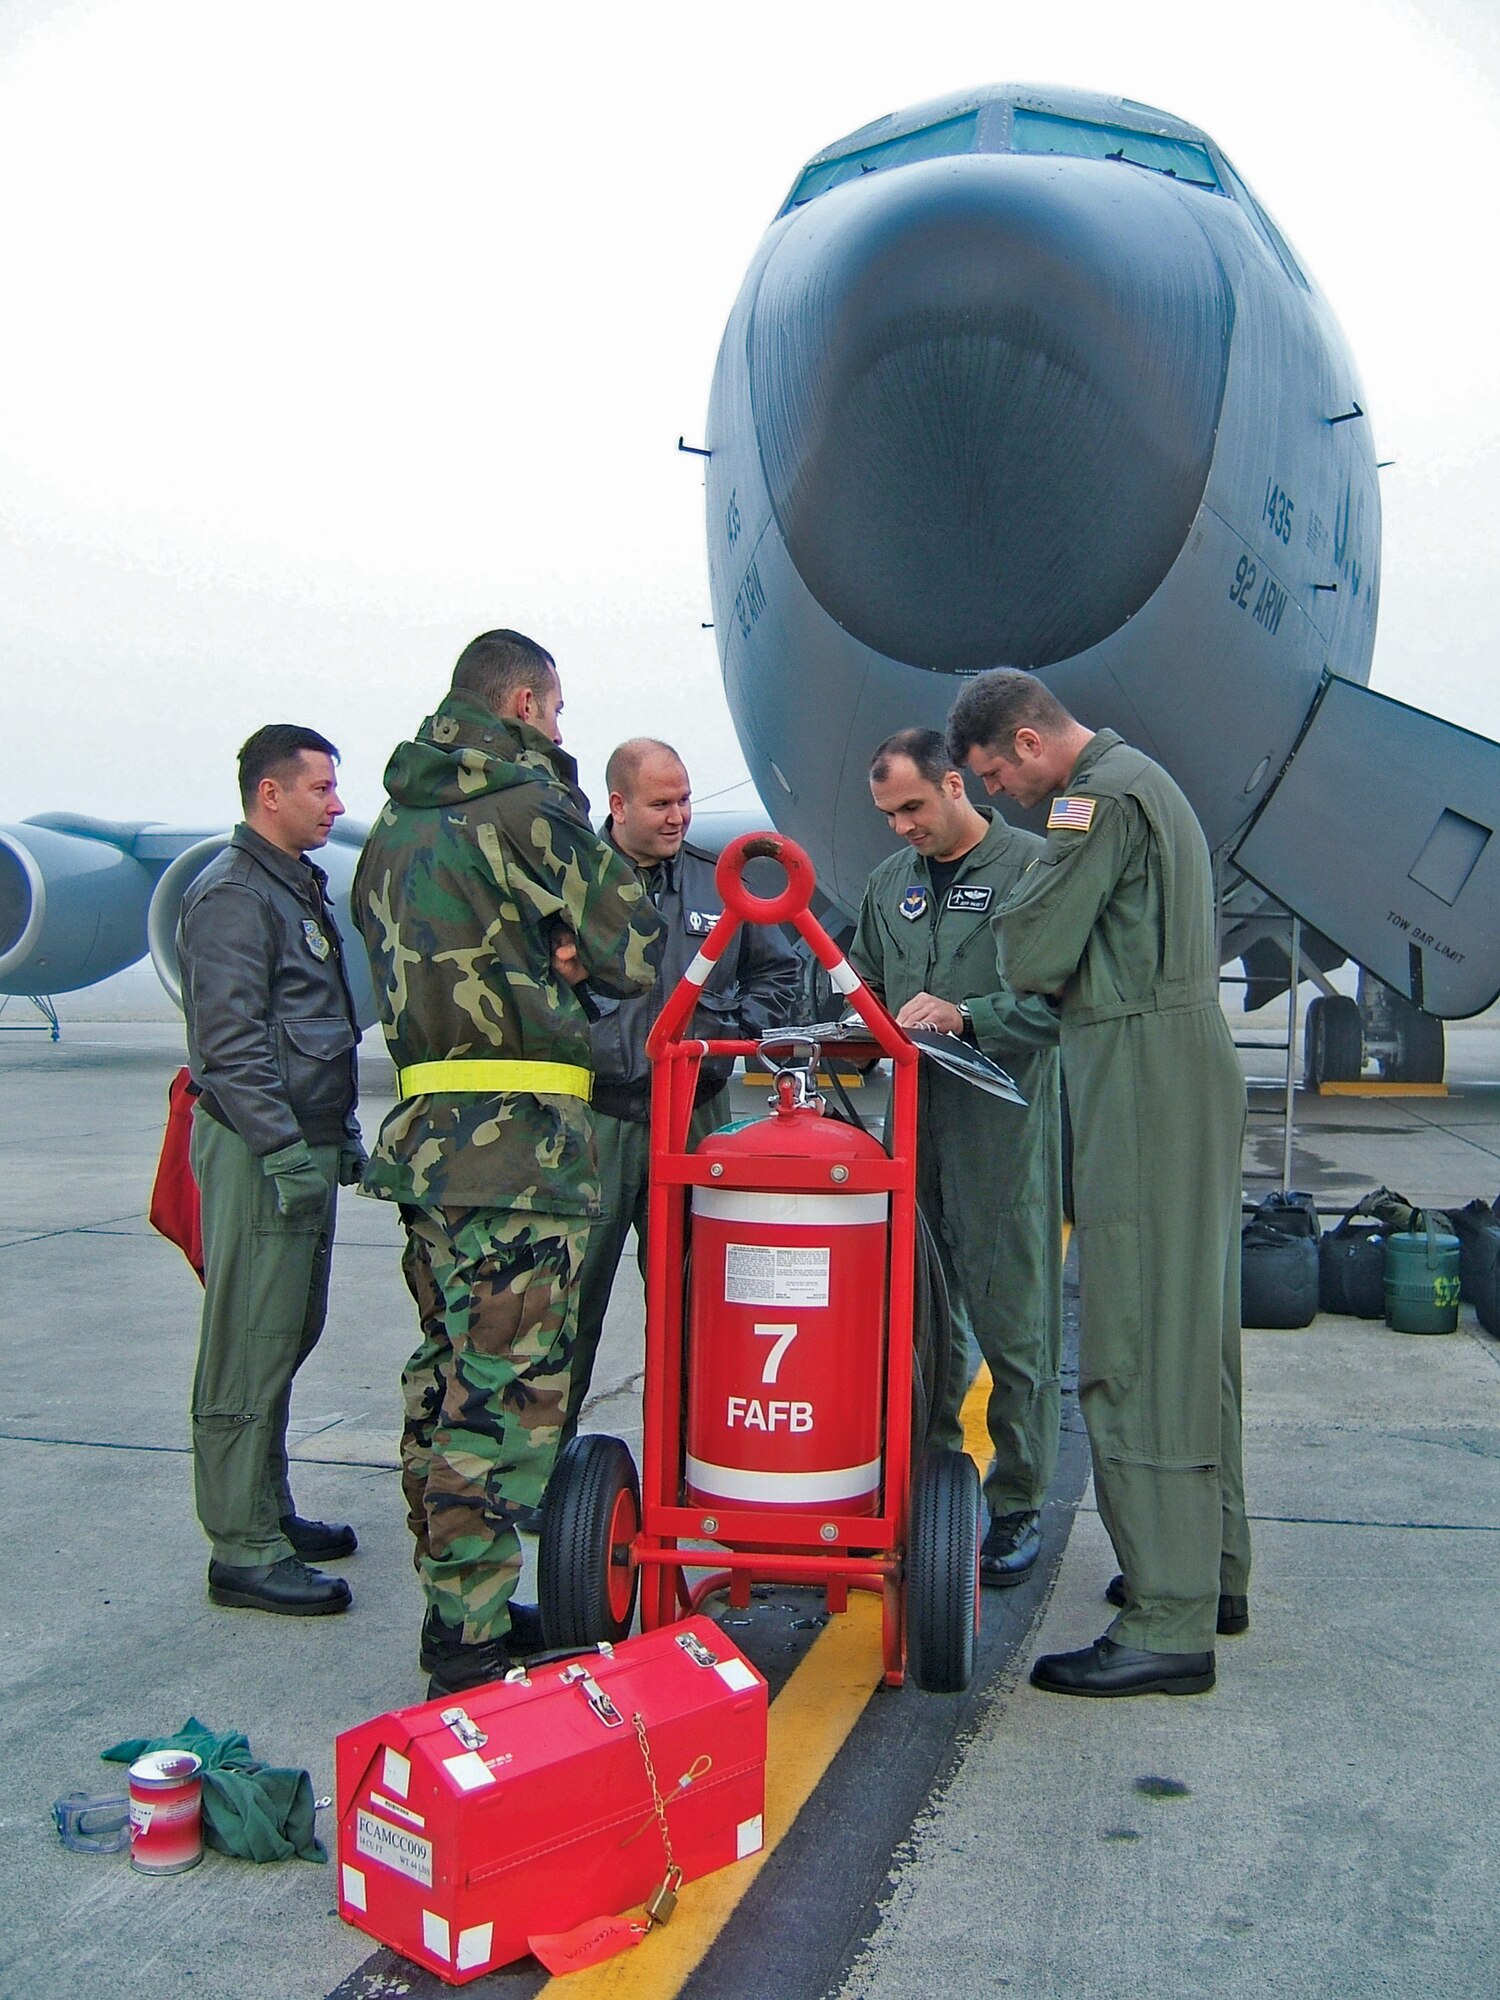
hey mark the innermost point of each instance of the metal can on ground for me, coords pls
(166, 1812)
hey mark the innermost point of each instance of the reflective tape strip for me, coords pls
(844, 977)
(547, 1079)
(700, 968)
(818, 1211)
(732, 1482)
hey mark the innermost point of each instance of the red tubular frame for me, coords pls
(840, 1552)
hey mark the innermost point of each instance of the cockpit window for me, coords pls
(1045, 132)
(953, 135)
(1270, 234)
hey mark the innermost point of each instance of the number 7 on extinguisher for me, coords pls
(782, 1336)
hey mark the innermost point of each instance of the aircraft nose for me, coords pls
(985, 393)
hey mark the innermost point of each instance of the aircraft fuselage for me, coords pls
(1008, 405)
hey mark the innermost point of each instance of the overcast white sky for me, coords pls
(339, 330)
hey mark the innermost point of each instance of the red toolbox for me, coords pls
(525, 1807)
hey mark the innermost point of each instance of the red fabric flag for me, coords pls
(175, 1207)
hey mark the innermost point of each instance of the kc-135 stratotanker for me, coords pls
(1028, 377)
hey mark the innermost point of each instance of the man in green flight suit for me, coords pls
(989, 1174)
(489, 906)
(1115, 920)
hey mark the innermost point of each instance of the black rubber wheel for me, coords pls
(942, 1573)
(1422, 1052)
(586, 1582)
(1334, 1044)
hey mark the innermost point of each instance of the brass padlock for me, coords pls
(664, 1900)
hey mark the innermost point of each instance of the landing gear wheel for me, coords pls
(942, 1573)
(1421, 1052)
(1334, 1047)
(587, 1583)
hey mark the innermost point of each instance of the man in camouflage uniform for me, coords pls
(489, 906)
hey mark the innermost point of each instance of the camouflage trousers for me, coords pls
(484, 1395)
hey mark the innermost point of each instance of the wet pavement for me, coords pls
(1325, 1820)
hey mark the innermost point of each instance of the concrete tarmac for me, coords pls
(1325, 1820)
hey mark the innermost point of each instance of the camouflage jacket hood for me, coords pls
(463, 752)
(481, 856)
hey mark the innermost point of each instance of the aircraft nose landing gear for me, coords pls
(1342, 1034)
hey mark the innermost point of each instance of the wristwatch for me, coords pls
(966, 1018)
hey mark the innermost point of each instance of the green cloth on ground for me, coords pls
(249, 1809)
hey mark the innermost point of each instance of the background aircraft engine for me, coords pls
(337, 860)
(72, 908)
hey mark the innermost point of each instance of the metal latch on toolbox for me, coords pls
(598, 1700)
(464, 1728)
(696, 1651)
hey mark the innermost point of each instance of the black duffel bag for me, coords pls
(1351, 1268)
(1477, 1227)
(1279, 1262)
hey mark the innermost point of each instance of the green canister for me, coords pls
(1421, 1278)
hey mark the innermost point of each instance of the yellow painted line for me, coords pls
(851, 1082)
(1378, 1089)
(808, 1724)
(972, 1417)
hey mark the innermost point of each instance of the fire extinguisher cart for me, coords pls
(779, 1355)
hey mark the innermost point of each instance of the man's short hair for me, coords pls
(273, 752)
(626, 759)
(995, 705)
(923, 747)
(497, 665)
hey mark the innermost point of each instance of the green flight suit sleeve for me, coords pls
(1044, 926)
(867, 952)
(1009, 1024)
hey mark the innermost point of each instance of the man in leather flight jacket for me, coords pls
(271, 1046)
(749, 992)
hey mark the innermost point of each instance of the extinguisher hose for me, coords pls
(931, 1316)
(846, 1103)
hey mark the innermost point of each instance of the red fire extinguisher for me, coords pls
(786, 1328)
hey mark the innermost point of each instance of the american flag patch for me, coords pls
(1070, 815)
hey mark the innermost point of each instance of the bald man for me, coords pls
(750, 991)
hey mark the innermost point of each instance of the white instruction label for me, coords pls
(468, 1771)
(394, 1847)
(759, 1274)
(735, 1674)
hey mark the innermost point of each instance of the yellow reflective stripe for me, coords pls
(548, 1079)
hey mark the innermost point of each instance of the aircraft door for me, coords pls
(1381, 833)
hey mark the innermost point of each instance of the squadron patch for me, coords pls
(1071, 815)
(317, 944)
(700, 922)
(969, 896)
(914, 903)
